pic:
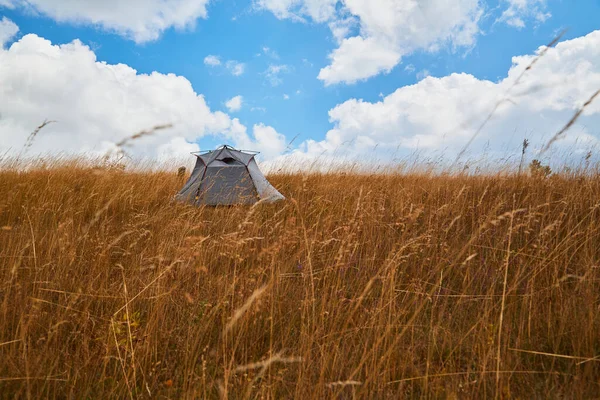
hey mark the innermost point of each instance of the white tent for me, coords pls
(227, 176)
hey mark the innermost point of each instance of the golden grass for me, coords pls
(358, 286)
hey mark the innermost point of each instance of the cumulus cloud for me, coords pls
(391, 29)
(264, 138)
(269, 52)
(357, 59)
(519, 10)
(8, 30)
(374, 35)
(319, 10)
(442, 114)
(423, 74)
(269, 140)
(386, 30)
(273, 74)
(341, 27)
(176, 147)
(234, 104)
(280, 8)
(235, 68)
(212, 61)
(96, 105)
(140, 20)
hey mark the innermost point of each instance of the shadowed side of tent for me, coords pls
(227, 184)
(190, 190)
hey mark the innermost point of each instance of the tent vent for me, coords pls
(229, 160)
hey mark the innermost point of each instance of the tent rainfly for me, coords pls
(227, 176)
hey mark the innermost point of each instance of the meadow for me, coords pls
(370, 286)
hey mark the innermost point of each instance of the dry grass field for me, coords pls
(358, 286)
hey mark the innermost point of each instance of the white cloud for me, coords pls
(442, 114)
(519, 10)
(264, 138)
(212, 61)
(273, 74)
(176, 147)
(391, 29)
(269, 140)
(341, 27)
(8, 30)
(286, 96)
(318, 10)
(387, 30)
(234, 104)
(423, 74)
(280, 8)
(140, 20)
(237, 133)
(358, 59)
(236, 68)
(96, 105)
(269, 52)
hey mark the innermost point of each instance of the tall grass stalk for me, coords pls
(410, 285)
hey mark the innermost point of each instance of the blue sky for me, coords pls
(295, 103)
